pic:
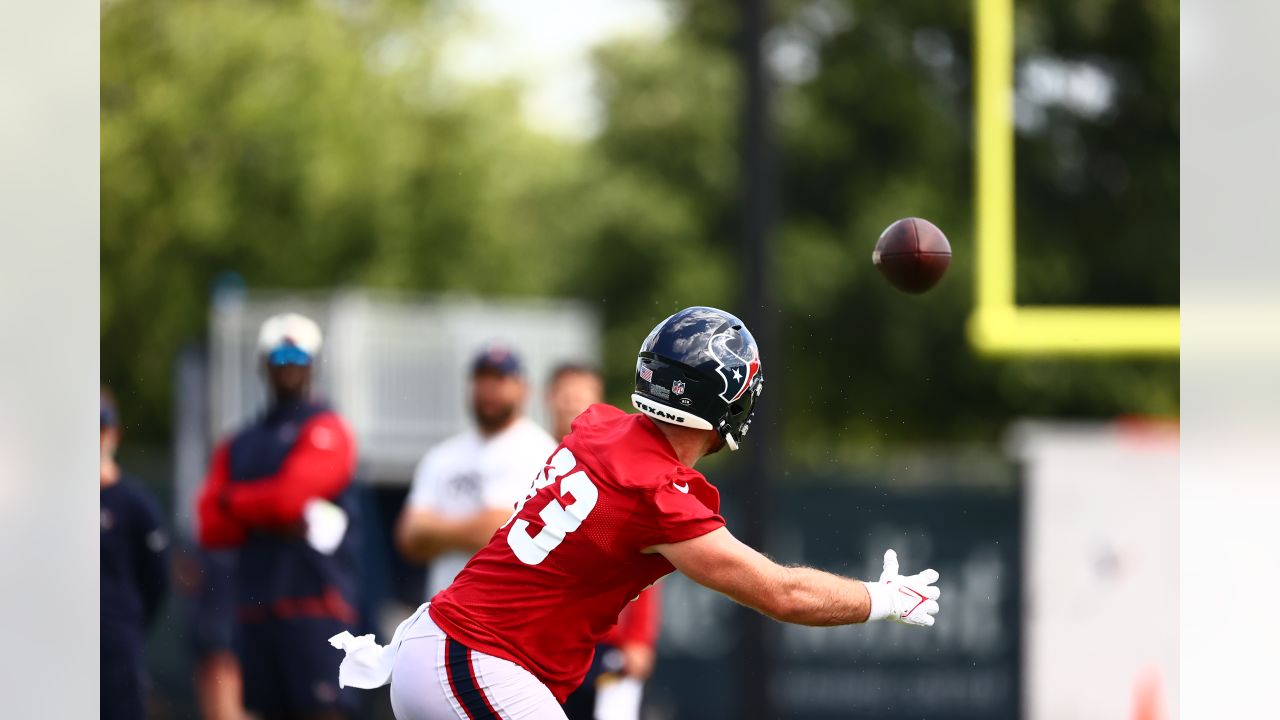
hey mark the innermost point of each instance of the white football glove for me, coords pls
(910, 600)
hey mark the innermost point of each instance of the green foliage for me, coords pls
(305, 147)
(268, 139)
(654, 203)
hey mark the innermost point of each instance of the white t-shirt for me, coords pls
(469, 473)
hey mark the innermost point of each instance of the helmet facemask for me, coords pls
(737, 419)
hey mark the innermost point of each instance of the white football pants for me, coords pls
(436, 678)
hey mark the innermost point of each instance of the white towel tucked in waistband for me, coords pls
(368, 665)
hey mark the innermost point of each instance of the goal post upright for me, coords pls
(998, 326)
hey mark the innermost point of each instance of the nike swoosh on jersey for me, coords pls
(682, 488)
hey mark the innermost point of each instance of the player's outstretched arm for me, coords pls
(802, 595)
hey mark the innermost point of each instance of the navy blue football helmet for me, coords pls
(700, 368)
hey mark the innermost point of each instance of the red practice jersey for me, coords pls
(638, 623)
(551, 582)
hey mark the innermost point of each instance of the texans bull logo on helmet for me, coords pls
(736, 370)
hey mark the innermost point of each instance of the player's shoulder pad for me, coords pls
(596, 413)
(677, 477)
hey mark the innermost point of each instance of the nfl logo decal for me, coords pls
(646, 374)
(677, 387)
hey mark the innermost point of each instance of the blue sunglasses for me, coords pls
(288, 355)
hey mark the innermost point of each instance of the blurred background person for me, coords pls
(210, 584)
(135, 574)
(613, 686)
(279, 490)
(466, 487)
(571, 388)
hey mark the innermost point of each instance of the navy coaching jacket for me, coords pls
(135, 567)
(258, 485)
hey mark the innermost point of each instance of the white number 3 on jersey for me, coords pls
(557, 520)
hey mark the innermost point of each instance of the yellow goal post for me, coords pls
(997, 325)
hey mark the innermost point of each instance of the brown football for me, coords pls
(913, 254)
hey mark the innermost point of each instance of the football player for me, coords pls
(624, 659)
(617, 506)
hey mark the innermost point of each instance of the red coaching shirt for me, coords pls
(551, 581)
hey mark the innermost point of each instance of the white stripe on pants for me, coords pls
(421, 690)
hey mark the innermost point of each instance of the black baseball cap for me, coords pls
(497, 358)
